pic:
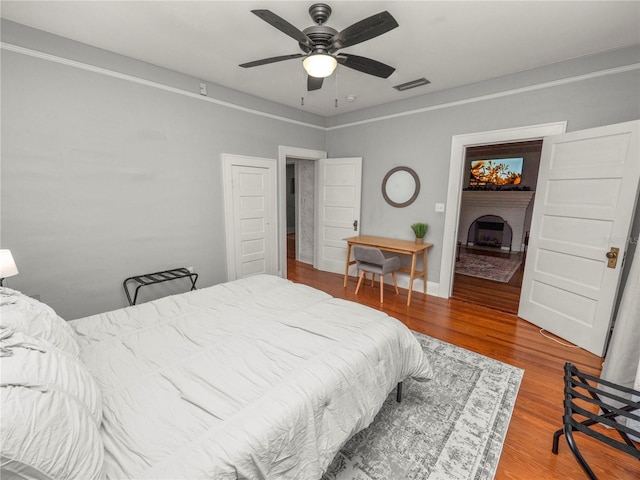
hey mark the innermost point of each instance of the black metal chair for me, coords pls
(612, 406)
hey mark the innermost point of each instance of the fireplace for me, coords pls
(490, 231)
(512, 208)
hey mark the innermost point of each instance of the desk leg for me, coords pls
(424, 269)
(346, 268)
(413, 272)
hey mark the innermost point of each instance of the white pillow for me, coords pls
(35, 363)
(46, 435)
(36, 319)
(51, 412)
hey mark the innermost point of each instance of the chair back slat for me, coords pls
(368, 255)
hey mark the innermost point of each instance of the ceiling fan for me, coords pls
(321, 42)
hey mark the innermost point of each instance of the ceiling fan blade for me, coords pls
(314, 83)
(364, 30)
(266, 61)
(284, 26)
(366, 65)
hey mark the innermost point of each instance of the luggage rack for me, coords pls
(158, 277)
(614, 403)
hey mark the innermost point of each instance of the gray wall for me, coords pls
(104, 178)
(420, 136)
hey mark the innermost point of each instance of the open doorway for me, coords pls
(334, 189)
(300, 194)
(459, 145)
(499, 183)
(291, 210)
(295, 156)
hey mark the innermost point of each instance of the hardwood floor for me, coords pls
(291, 245)
(497, 295)
(538, 411)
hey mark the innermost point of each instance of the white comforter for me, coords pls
(259, 378)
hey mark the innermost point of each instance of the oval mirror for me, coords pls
(400, 186)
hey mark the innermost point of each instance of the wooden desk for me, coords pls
(406, 247)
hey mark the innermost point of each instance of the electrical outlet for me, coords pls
(203, 89)
(439, 207)
(190, 269)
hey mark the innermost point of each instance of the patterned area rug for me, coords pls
(451, 428)
(490, 268)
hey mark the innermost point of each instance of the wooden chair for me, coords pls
(371, 260)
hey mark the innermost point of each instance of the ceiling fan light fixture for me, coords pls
(320, 65)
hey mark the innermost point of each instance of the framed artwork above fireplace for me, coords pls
(496, 172)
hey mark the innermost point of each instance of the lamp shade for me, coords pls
(320, 65)
(7, 264)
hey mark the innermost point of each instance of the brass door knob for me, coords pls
(612, 256)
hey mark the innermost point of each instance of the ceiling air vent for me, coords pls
(412, 84)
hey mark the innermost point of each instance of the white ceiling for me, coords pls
(451, 43)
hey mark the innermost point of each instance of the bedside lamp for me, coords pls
(7, 265)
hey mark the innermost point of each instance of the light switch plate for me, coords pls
(439, 207)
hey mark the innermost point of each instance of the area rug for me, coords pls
(497, 269)
(451, 428)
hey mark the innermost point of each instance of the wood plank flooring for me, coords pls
(497, 295)
(538, 411)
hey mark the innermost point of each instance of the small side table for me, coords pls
(157, 277)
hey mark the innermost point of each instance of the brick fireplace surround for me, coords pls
(513, 206)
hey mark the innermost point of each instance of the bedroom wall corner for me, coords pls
(108, 176)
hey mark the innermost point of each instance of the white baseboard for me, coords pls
(306, 259)
(433, 288)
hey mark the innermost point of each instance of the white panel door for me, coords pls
(584, 204)
(250, 207)
(338, 210)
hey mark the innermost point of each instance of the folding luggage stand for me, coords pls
(158, 277)
(610, 409)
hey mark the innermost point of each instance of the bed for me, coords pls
(258, 378)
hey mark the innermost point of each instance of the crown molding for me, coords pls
(491, 96)
(141, 81)
(481, 98)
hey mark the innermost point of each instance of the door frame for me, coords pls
(285, 152)
(459, 144)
